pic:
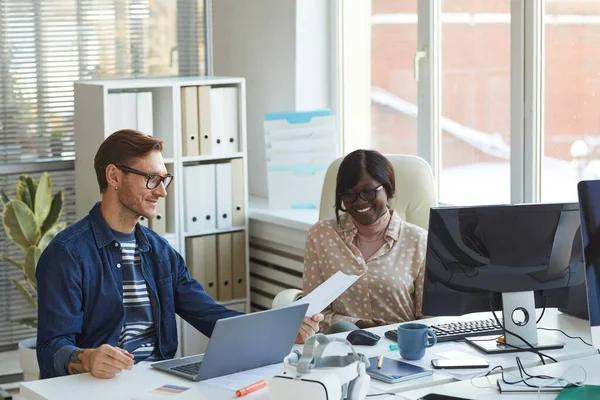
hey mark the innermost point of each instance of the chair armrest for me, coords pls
(286, 297)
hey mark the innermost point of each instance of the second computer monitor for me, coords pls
(589, 200)
(474, 254)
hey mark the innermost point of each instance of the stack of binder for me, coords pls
(129, 110)
(209, 120)
(218, 262)
(300, 146)
(214, 196)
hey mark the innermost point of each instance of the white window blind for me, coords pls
(45, 46)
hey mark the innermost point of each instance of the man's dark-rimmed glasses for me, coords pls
(153, 180)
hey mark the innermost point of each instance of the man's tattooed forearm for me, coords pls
(75, 362)
(73, 370)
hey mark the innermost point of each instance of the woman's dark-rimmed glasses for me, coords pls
(153, 180)
(366, 195)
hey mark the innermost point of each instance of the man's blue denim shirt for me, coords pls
(80, 292)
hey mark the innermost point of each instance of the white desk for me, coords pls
(486, 389)
(142, 379)
(574, 348)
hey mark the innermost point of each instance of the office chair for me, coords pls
(415, 195)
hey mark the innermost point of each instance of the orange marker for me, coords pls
(252, 388)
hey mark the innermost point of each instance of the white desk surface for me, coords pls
(129, 385)
(142, 379)
(486, 388)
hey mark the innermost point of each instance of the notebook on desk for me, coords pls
(395, 371)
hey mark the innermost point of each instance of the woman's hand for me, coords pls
(309, 327)
(370, 323)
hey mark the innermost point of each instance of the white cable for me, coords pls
(485, 374)
(561, 379)
(551, 380)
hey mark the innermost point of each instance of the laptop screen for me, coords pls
(589, 206)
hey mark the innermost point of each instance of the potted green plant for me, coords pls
(31, 221)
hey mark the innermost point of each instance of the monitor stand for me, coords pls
(518, 309)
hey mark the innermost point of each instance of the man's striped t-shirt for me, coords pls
(138, 335)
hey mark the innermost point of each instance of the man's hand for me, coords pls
(103, 362)
(370, 323)
(309, 327)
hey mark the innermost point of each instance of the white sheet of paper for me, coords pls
(327, 292)
(246, 378)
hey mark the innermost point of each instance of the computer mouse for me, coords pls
(360, 337)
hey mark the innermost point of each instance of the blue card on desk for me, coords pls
(394, 371)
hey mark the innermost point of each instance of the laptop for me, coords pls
(589, 207)
(241, 343)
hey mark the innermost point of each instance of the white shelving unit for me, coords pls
(95, 120)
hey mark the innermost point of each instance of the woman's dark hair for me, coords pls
(354, 165)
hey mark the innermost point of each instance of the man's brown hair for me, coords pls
(121, 148)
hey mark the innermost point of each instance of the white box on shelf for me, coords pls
(314, 144)
(301, 124)
(302, 183)
(300, 146)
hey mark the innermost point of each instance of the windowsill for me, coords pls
(295, 219)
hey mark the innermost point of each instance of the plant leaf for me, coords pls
(28, 322)
(25, 293)
(31, 259)
(23, 192)
(4, 197)
(32, 185)
(11, 261)
(20, 224)
(55, 211)
(43, 198)
(50, 234)
(31, 286)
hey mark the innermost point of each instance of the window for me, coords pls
(475, 121)
(507, 95)
(571, 97)
(393, 86)
(46, 45)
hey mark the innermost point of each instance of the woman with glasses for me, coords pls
(367, 238)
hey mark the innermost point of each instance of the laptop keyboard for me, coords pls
(190, 369)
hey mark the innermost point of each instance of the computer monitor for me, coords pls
(508, 257)
(589, 203)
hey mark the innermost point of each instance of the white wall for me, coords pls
(313, 55)
(282, 48)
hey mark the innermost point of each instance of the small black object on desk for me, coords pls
(361, 337)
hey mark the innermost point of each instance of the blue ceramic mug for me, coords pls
(413, 339)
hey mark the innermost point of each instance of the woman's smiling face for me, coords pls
(370, 205)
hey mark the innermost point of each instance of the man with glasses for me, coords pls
(109, 288)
